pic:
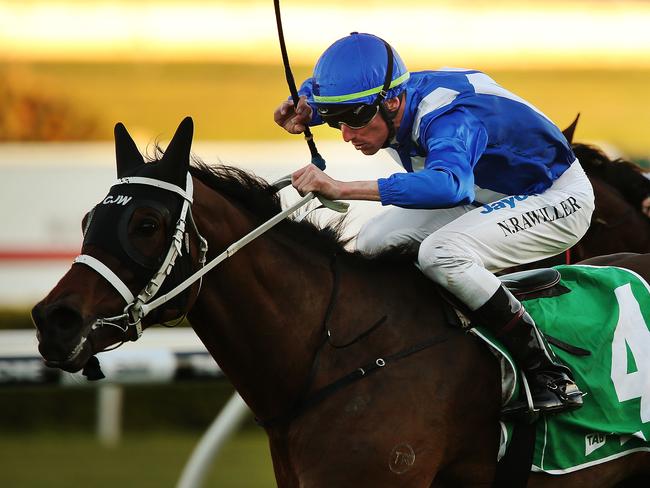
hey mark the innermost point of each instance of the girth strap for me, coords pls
(359, 373)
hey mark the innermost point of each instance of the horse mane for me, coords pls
(594, 159)
(623, 176)
(263, 201)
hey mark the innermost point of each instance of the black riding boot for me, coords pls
(552, 386)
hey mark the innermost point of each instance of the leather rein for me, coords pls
(138, 307)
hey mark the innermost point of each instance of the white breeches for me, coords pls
(460, 247)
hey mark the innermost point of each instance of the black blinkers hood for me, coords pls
(108, 223)
(108, 227)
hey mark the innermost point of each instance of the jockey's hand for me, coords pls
(293, 120)
(310, 178)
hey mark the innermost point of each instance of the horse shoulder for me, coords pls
(419, 413)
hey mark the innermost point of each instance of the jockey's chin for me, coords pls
(367, 149)
(368, 139)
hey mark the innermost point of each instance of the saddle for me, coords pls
(534, 283)
(525, 285)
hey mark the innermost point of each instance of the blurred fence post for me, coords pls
(230, 417)
(109, 414)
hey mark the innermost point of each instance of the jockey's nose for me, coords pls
(347, 133)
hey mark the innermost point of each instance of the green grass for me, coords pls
(141, 460)
(46, 438)
(231, 101)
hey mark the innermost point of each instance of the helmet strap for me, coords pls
(381, 97)
(388, 118)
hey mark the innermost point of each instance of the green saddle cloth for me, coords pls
(607, 313)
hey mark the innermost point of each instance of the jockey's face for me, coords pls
(368, 139)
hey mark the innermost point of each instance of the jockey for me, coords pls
(490, 183)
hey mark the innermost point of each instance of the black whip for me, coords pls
(316, 158)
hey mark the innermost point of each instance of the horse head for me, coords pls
(129, 238)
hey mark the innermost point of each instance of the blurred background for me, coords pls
(71, 69)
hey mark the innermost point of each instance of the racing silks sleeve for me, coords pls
(453, 143)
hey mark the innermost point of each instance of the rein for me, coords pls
(139, 307)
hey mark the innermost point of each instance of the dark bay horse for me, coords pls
(621, 218)
(619, 223)
(416, 402)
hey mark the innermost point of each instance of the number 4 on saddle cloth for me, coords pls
(606, 312)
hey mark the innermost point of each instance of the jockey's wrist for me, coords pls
(359, 190)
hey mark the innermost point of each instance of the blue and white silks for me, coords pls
(460, 129)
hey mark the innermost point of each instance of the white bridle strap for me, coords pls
(174, 251)
(187, 195)
(232, 249)
(108, 275)
(251, 236)
(154, 284)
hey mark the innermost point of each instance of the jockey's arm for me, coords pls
(310, 178)
(454, 143)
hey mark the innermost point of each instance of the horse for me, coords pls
(348, 361)
(619, 223)
(621, 218)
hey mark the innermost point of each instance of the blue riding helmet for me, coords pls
(353, 71)
(353, 77)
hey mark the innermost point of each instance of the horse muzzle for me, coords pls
(62, 335)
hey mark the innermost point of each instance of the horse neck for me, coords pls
(260, 312)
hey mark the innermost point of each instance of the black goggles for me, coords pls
(355, 116)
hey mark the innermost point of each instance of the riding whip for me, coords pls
(316, 158)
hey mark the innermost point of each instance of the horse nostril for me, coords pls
(64, 318)
(59, 326)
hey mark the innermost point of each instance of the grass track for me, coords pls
(142, 460)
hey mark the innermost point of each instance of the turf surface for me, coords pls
(141, 460)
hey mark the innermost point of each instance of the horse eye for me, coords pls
(147, 227)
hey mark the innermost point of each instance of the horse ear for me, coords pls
(569, 131)
(126, 152)
(176, 159)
